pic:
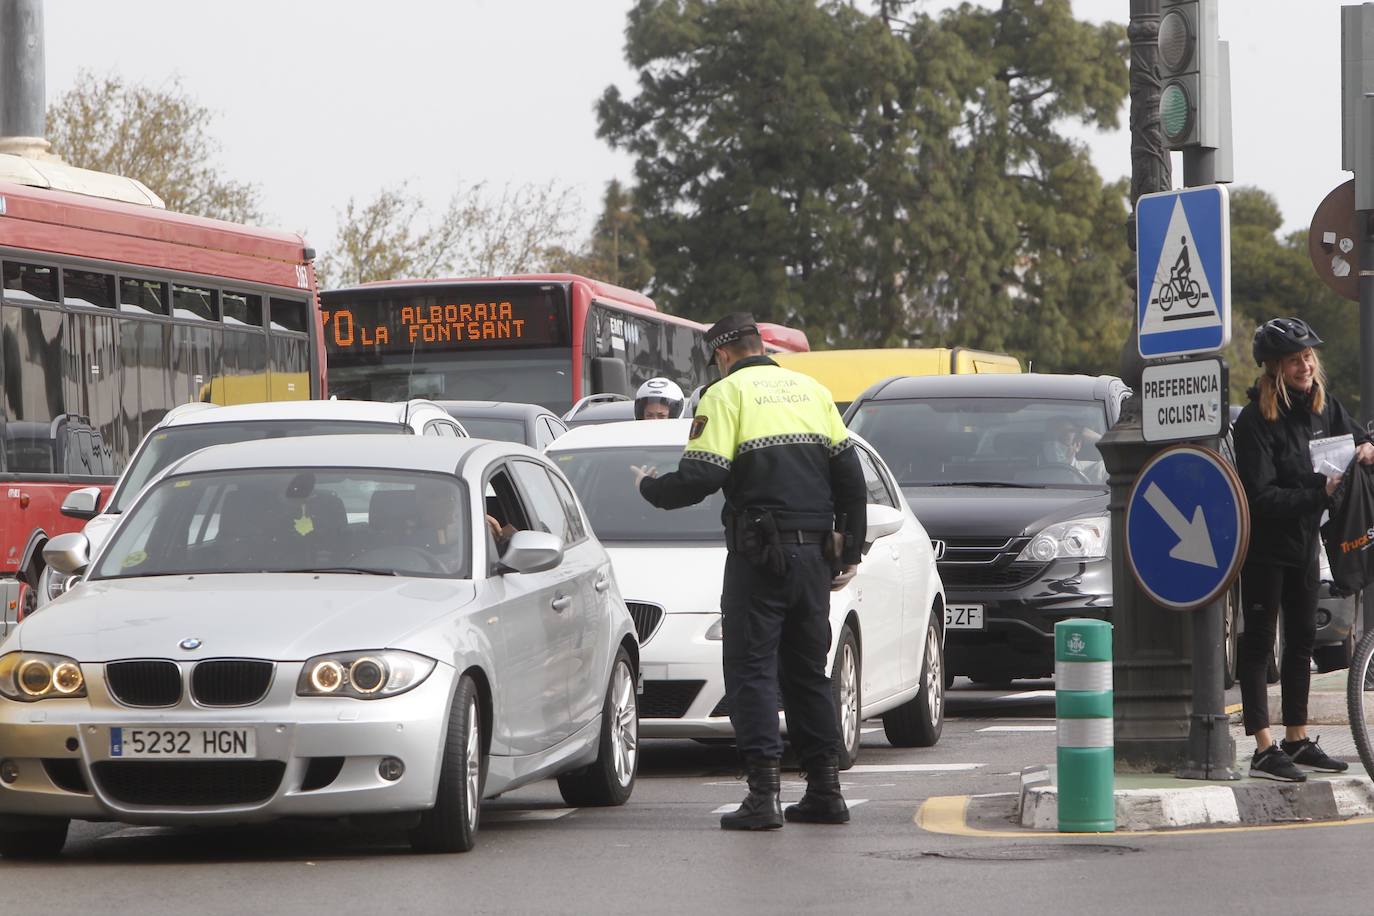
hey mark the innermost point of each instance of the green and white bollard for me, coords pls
(1083, 714)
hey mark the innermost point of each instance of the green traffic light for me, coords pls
(1175, 111)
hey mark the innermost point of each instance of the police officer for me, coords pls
(795, 523)
(658, 399)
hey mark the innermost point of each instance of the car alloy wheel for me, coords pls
(846, 688)
(473, 764)
(625, 729)
(935, 677)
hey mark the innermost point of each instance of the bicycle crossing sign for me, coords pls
(1183, 266)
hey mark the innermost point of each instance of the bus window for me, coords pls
(30, 282)
(148, 297)
(88, 288)
(242, 308)
(288, 315)
(193, 302)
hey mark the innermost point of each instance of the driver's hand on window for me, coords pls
(498, 531)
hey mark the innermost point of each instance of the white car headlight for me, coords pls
(31, 676)
(1076, 539)
(366, 675)
(716, 631)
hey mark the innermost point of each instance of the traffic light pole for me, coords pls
(1365, 220)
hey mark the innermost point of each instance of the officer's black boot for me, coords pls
(760, 809)
(822, 803)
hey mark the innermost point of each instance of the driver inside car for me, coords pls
(1067, 439)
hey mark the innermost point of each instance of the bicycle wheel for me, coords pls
(1359, 700)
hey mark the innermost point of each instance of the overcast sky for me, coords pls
(317, 101)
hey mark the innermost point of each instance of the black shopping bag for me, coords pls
(1349, 533)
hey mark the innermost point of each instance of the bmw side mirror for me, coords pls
(531, 552)
(882, 521)
(68, 553)
(83, 503)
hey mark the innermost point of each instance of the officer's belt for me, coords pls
(802, 537)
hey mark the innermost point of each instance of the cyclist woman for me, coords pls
(1289, 406)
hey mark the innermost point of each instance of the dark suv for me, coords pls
(1004, 472)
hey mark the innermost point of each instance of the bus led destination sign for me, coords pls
(1184, 400)
(460, 321)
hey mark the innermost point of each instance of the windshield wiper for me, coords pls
(982, 483)
(346, 570)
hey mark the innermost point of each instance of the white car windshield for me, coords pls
(165, 446)
(604, 482)
(294, 520)
(1019, 442)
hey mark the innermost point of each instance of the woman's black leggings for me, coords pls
(1265, 588)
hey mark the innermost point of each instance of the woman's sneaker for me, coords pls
(1305, 753)
(1273, 763)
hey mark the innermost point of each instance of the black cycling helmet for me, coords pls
(1281, 336)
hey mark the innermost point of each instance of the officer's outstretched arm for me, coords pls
(705, 464)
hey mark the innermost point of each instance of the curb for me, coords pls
(1241, 804)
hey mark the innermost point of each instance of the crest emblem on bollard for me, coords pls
(1076, 644)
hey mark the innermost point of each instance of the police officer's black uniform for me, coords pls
(774, 441)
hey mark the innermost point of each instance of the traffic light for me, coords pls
(1190, 98)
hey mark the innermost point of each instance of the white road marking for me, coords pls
(1018, 728)
(1028, 695)
(537, 814)
(869, 731)
(726, 809)
(910, 768)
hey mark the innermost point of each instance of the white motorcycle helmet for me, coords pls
(659, 391)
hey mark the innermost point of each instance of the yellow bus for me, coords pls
(848, 373)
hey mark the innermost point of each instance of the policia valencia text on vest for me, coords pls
(795, 519)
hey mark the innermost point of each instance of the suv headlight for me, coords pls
(366, 675)
(31, 676)
(1076, 539)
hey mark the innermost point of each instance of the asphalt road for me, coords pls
(663, 852)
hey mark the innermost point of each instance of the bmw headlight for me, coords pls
(1076, 539)
(366, 675)
(31, 676)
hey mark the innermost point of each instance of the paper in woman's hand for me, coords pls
(1337, 451)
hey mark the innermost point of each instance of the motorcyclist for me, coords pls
(658, 399)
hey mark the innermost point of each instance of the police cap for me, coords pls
(730, 329)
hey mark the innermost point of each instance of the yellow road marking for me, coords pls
(1233, 708)
(947, 814)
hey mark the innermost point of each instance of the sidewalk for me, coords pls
(1161, 802)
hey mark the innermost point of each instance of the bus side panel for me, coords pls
(134, 251)
(35, 505)
(580, 301)
(964, 361)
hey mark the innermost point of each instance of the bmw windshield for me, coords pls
(605, 484)
(1011, 442)
(365, 521)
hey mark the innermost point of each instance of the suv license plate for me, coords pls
(183, 743)
(963, 617)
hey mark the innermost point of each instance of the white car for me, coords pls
(887, 625)
(189, 427)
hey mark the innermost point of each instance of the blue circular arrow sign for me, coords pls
(1187, 527)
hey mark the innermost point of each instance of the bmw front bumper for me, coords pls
(314, 757)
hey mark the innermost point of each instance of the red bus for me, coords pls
(547, 339)
(110, 314)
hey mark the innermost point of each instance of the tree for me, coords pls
(159, 136)
(617, 251)
(478, 234)
(868, 176)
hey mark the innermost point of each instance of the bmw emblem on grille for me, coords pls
(189, 643)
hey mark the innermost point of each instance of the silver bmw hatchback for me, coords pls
(374, 627)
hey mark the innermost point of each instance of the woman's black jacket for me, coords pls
(1286, 496)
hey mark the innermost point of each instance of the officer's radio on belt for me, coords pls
(795, 521)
